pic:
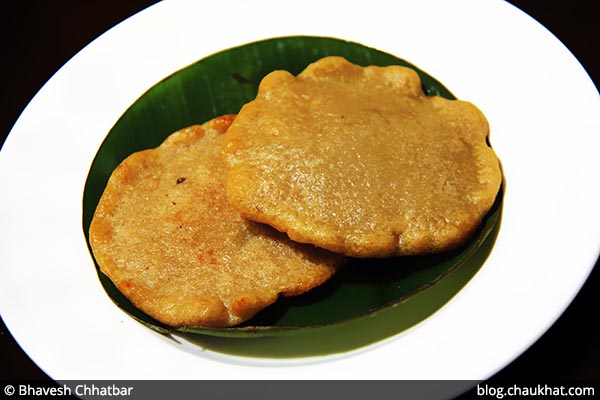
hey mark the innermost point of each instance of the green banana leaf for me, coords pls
(368, 299)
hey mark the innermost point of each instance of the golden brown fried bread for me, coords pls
(164, 233)
(359, 161)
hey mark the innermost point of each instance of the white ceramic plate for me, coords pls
(545, 117)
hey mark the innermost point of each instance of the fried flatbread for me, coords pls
(164, 233)
(359, 161)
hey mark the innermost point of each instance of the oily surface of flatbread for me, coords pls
(164, 233)
(359, 161)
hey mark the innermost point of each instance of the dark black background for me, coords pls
(38, 37)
